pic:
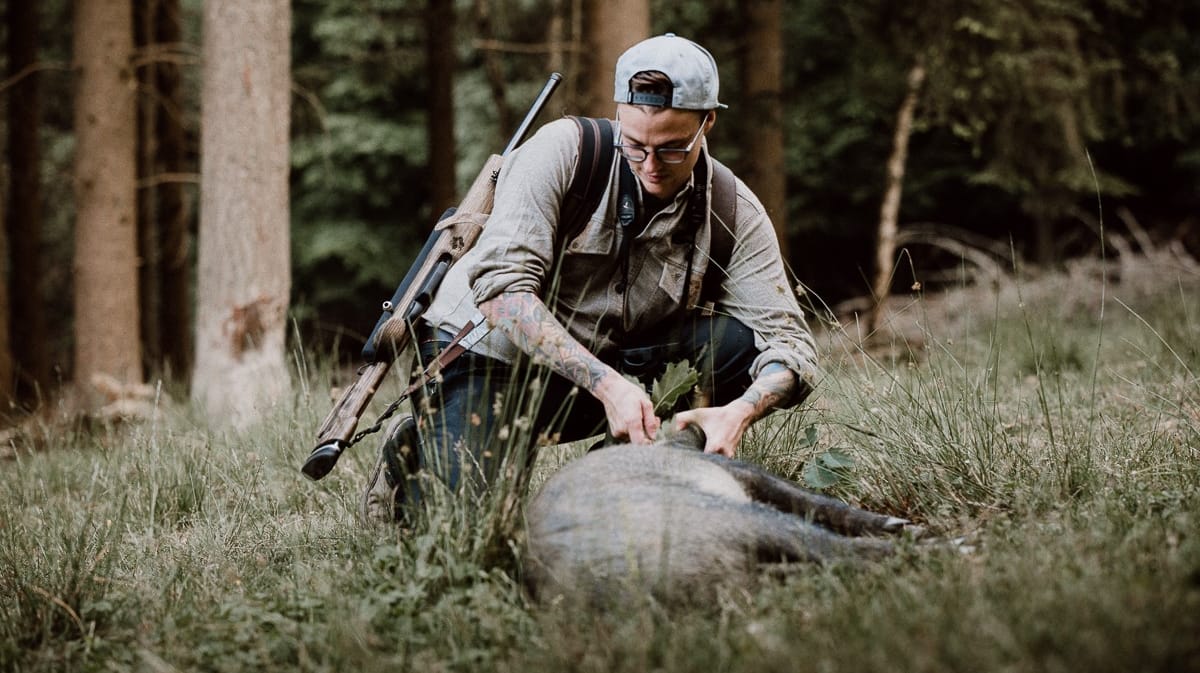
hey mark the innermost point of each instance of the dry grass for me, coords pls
(1054, 420)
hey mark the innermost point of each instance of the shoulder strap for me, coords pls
(591, 176)
(722, 222)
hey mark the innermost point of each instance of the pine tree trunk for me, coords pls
(439, 36)
(244, 273)
(889, 212)
(163, 215)
(762, 81)
(611, 27)
(7, 367)
(24, 209)
(106, 266)
(174, 213)
(147, 220)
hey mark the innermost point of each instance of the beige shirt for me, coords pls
(515, 253)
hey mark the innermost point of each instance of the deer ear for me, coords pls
(690, 436)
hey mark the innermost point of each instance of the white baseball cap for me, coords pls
(692, 70)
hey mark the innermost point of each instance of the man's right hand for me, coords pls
(628, 408)
(526, 321)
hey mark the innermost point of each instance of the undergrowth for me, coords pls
(1064, 449)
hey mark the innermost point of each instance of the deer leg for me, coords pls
(788, 538)
(786, 496)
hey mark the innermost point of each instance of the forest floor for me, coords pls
(1051, 421)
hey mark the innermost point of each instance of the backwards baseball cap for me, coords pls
(692, 70)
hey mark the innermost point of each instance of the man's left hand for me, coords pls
(723, 426)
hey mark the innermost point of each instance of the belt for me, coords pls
(428, 334)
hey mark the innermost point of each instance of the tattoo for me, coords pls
(530, 325)
(775, 384)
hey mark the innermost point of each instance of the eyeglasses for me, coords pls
(668, 155)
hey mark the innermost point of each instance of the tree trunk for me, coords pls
(163, 215)
(564, 34)
(611, 27)
(147, 221)
(481, 11)
(106, 275)
(762, 81)
(439, 37)
(174, 214)
(7, 382)
(244, 274)
(24, 209)
(889, 212)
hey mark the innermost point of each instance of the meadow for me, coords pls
(1049, 422)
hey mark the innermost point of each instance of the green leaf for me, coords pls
(818, 476)
(836, 459)
(678, 379)
(810, 437)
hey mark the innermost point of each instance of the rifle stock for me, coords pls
(454, 237)
(451, 238)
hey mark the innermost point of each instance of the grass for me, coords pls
(1065, 449)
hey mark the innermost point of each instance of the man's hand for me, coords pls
(628, 408)
(723, 426)
(526, 321)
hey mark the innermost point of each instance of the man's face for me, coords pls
(657, 128)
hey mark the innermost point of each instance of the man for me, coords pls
(569, 317)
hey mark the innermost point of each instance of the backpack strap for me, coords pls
(591, 176)
(722, 222)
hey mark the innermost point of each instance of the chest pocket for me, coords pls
(586, 265)
(595, 239)
(673, 274)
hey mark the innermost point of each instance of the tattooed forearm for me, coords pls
(775, 384)
(526, 321)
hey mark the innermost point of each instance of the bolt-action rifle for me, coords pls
(453, 235)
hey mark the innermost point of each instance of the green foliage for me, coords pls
(359, 211)
(679, 379)
(828, 469)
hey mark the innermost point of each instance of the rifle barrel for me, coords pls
(534, 110)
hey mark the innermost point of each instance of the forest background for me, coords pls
(1003, 126)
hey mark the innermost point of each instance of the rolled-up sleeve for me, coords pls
(516, 249)
(757, 291)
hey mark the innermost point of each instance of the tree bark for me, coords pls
(106, 275)
(439, 36)
(762, 81)
(610, 27)
(885, 249)
(24, 210)
(244, 273)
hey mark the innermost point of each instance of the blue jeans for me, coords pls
(483, 411)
